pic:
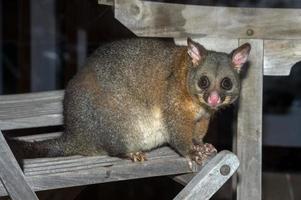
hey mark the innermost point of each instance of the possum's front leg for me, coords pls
(201, 151)
(186, 136)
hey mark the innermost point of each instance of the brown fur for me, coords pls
(135, 95)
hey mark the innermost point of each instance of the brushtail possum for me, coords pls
(138, 94)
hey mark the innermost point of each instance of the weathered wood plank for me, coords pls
(280, 56)
(156, 19)
(212, 176)
(31, 110)
(12, 176)
(215, 44)
(249, 127)
(51, 173)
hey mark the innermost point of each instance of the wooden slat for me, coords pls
(12, 176)
(210, 178)
(31, 110)
(280, 56)
(146, 18)
(51, 173)
(249, 127)
(216, 44)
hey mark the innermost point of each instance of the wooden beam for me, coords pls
(146, 18)
(280, 56)
(52, 173)
(249, 127)
(215, 44)
(213, 175)
(12, 176)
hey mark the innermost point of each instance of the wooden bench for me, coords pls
(45, 109)
(273, 54)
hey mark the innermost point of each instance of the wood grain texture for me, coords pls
(249, 127)
(215, 44)
(51, 173)
(146, 18)
(210, 179)
(31, 110)
(12, 176)
(280, 56)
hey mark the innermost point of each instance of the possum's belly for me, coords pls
(153, 132)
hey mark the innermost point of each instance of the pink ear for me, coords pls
(196, 51)
(240, 56)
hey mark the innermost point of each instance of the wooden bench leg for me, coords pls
(12, 176)
(249, 126)
(211, 177)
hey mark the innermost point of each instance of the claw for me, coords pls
(200, 153)
(138, 157)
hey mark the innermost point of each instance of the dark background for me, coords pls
(44, 42)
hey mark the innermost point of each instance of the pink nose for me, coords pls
(214, 99)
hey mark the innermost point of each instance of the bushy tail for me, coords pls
(47, 148)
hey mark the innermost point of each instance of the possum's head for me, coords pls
(213, 77)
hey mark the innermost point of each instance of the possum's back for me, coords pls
(135, 63)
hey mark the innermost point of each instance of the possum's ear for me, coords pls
(240, 56)
(196, 52)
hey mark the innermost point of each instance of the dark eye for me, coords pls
(226, 84)
(204, 82)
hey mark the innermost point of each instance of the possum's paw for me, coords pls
(137, 156)
(200, 153)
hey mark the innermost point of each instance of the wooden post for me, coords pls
(12, 176)
(249, 127)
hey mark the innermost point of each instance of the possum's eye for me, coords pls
(204, 82)
(226, 84)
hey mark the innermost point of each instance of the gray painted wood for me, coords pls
(249, 127)
(31, 110)
(146, 18)
(44, 60)
(51, 173)
(280, 56)
(216, 44)
(210, 178)
(12, 176)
